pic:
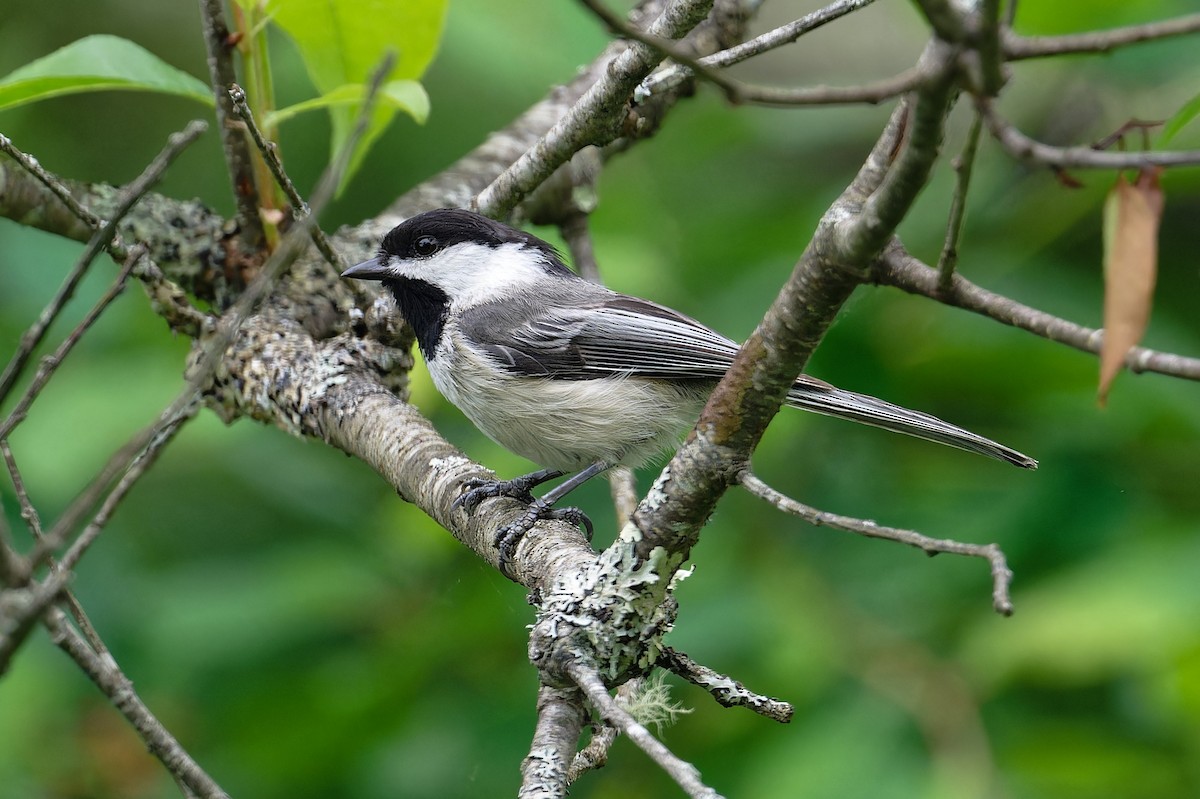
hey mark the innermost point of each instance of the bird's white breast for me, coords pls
(564, 424)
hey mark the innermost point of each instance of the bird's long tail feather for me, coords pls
(818, 397)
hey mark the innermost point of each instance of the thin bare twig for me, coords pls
(623, 485)
(946, 19)
(727, 691)
(157, 437)
(168, 299)
(595, 754)
(987, 47)
(738, 92)
(1024, 148)
(99, 241)
(958, 205)
(732, 88)
(897, 268)
(30, 515)
(1019, 47)
(1001, 576)
(872, 93)
(575, 233)
(685, 774)
(103, 670)
(270, 154)
(43, 595)
(595, 118)
(28, 512)
(783, 35)
(14, 569)
(51, 363)
(56, 186)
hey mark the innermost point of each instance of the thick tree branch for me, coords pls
(560, 716)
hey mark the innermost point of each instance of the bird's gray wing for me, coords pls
(594, 335)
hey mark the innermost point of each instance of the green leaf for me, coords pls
(97, 63)
(342, 41)
(402, 95)
(1190, 110)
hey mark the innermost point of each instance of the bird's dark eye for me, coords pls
(425, 245)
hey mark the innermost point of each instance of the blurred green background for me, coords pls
(305, 633)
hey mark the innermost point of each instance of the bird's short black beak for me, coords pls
(374, 269)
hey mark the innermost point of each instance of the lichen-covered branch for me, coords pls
(560, 716)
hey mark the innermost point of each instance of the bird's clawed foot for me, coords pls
(519, 488)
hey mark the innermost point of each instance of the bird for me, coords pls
(569, 374)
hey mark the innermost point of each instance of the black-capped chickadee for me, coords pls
(567, 373)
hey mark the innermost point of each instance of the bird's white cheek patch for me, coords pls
(470, 273)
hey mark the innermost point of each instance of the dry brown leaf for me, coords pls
(1131, 216)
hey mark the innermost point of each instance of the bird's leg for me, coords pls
(508, 536)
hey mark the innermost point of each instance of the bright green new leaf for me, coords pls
(97, 63)
(402, 95)
(1189, 111)
(342, 41)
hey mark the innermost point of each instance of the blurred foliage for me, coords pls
(307, 634)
